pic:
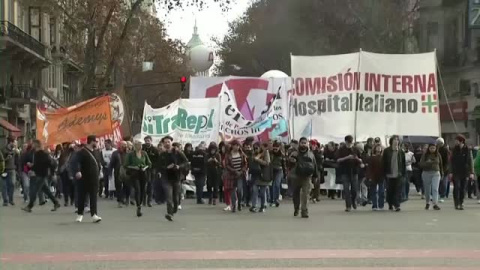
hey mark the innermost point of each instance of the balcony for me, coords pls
(16, 35)
(23, 94)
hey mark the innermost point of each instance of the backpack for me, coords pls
(305, 166)
(198, 163)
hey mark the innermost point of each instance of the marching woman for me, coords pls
(214, 164)
(137, 164)
(431, 164)
(260, 173)
(376, 179)
(235, 168)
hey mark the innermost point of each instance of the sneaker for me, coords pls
(262, 210)
(442, 200)
(354, 206)
(5, 204)
(86, 210)
(169, 217)
(79, 218)
(374, 209)
(398, 209)
(427, 207)
(96, 219)
(304, 214)
(295, 213)
(435, 207)
(277, 204)
(139, 212)
(55, 207)
(228, 208)
(179, 207)
(12, 203)
(149, 204)
(253, 210)
(348, 210)
(27, 209)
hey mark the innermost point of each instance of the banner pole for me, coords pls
(356, 98)
(437, 69)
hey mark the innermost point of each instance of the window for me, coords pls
(11, 10)
(465, 89)
(53, 31)
(35, 23)
(52, 77)
(2, 10)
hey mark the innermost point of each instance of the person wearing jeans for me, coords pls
(171, 163)
(261, 176)
(348, 158)
(235, 169)
(431, 164)
(42, 163)
(409, 161)
(278, 166)
(11, 159)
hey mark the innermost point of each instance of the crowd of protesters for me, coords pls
(242, 175)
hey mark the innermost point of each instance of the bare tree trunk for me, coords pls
(90, 56)
(119, 44)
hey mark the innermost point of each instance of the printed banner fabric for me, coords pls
(187, 121)
(68, 125)
(251, 95)
(364, 94)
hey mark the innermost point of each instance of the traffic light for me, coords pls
(183, 81)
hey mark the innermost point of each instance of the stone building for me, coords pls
(35, 67)
(445, 26)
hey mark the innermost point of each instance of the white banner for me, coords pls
(234, 126)
(187, 121)
(364, 94)
(251, 96)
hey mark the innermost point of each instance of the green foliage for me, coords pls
(271, 30)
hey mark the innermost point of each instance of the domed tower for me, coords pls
(200, 56)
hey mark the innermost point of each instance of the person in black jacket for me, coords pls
(153, 154)
(170, 164)
(461, 169)
(42, 163)
(214, 164)
(118, 169)
(349, 161)
(198, 163)
(86, 168)
(394, 170)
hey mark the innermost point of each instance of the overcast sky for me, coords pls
(211, 21)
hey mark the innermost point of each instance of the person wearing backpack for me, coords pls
(198, 164)
(304, 171)
(349, 161)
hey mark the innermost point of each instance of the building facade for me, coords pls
(445, 26)
(34, 67)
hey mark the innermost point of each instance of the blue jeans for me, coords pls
(255, 194)
(8, 186)
(26, 185)
(276, 185)
(377, 193)
(406, 189)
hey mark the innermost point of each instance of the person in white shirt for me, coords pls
(409, 160)
(107, 152)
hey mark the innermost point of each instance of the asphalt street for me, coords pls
(206, 237)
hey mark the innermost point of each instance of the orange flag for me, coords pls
(92, 117)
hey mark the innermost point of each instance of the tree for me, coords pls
(271, 30)
(100, 30)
